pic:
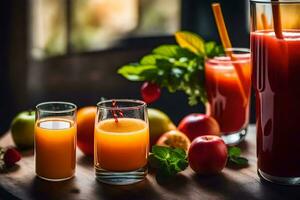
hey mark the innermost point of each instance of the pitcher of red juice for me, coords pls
(275, 48)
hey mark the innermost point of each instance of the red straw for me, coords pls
(116, 112)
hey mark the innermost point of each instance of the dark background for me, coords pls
(83, 78)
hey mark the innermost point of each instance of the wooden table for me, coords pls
(20, 182)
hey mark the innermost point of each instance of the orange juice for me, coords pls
(121, 146)
(55, 148)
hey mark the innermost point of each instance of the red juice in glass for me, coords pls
(276, 80)
(225, 100)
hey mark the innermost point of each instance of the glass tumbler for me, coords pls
(55, 140)
(275, 48)
(121, 141)
(228, 86)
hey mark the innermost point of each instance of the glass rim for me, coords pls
(38, 107)
(242, 51)
(274, 2)
(140, 104)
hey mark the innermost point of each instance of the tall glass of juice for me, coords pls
(228, 92)
(275, 46)
(55, 140)
(121, 141)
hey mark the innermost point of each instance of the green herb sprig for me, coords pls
(234, 157)
(176, 67)
(167, 161)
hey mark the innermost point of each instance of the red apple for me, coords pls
(197, 124)
(207, 154)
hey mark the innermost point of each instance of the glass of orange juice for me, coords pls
(55, 140)
(121, 141)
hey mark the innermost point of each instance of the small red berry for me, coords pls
(150, 92)
(11, 156)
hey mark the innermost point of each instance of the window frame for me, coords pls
(127, 43)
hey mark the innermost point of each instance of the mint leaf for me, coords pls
(156, 162)
(234, 157)
(234, 152)
(239, 161)
(161, 152)
(167, 161)
(182, 164)
(180, 152)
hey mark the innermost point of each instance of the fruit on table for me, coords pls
(11, 156)
(207, 154)
(197, 124)
(85, 129)
(175, 139)
(22, 129)
(150, 92)
(159, 123)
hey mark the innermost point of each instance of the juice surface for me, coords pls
(226, 103)
(55, 148)
(121, 146)
(276, 78)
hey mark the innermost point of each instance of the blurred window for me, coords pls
(63, 26)
(48, 27)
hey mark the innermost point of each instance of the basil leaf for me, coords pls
(150, 59)
(137, 72)
(176, 67)
(191, 41)
(212, 49)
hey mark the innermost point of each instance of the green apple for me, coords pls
(159, 123)
(22, 129)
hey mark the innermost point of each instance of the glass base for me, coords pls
(278, 179)
(120, 178)
(234, 138)
(55, 180)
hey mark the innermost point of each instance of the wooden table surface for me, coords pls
(20, 182)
